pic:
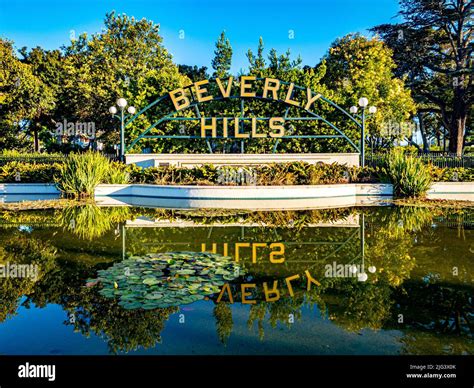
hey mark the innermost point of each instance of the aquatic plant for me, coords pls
(408, 174)
(166, 279)
(81, 173)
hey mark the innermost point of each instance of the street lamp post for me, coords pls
(122, 104)
(363, 103)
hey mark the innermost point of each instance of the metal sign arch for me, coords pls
(194, 104)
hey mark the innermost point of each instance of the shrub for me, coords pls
(295, 173)
(408, 174)
(281, 174)
(17, 172)
(7, 156)
(117, 174)
(81, 173)
(457, 174)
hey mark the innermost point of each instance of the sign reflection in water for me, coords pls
(419, 299)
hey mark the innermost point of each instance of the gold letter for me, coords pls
(225, 250)
(274, 290)
(237, 133)
(221, 294)
(288, 283)
(205, 127)
(237, 246)
(277, 123)
(244, 287)
(244, 86)
(225, 121)
(177, 96)
(311, 280)
(201, 91)
(254, 129)
(311, 98)
(274, 88)
(214, 248)
(281, 252)
(225, 92)
(254, 250)
(288, 99)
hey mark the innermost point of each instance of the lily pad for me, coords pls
(159, 280)
(151, 281)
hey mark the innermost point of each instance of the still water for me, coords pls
(89, 280)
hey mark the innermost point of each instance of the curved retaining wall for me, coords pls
(17, 192)
(238, 197)
(457, 191)
(244, 197)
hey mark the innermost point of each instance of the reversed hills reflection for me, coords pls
(399, 276)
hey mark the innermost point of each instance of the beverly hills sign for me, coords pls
(273, 89)
(297, 104)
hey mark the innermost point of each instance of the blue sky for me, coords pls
(314, 24)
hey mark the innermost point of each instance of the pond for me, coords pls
(123, 280)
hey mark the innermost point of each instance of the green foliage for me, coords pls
(18, 172)
(127, 59)
(287, 69)
(294, 173)
(117, 174)
(361, 67)
(409, 175)
(15, 156)
(81, 173)
(223, 57)
(457, 174)
(24, 97)
(161, 280)
(194, 73)
(432, 46)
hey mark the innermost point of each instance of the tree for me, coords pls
(257, 63)
(126, 60)
(223, 57)
(360, 67)
(433, 47)
(284, 68)
(48, 66)
(194, 73)
(23, 98)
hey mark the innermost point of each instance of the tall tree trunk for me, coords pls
(36, 145)
(458, 119)
(456, 131)
(426, 147)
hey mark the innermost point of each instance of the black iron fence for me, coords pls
(442, 160)
(465, 220)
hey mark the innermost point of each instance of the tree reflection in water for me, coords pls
(413, 249)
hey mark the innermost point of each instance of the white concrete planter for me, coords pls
(238, 197)
(456, 191)
(244, 197)
(16, 192)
